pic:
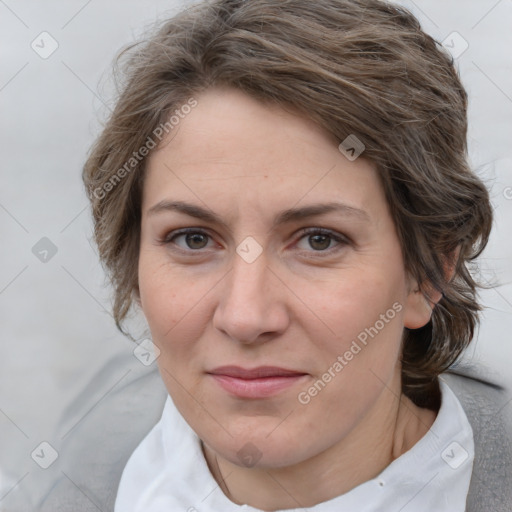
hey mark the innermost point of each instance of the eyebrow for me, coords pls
(283, 217)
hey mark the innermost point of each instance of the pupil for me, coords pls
(322, 238)
(195, 237)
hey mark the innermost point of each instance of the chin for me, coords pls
(262, 452)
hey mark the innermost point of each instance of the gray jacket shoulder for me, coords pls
(487, 403)
(106, 422)
(98, 432)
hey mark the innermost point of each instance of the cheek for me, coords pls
(359, 300)
(164, 295)
(160, 301)
(364, 312)
(176, 306)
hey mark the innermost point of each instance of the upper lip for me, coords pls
(254, 373)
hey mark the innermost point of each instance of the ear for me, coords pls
(418, 309)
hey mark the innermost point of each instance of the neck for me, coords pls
(389, 429)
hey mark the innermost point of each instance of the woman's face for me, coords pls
(291, 261)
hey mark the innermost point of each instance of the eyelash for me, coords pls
(340, 239)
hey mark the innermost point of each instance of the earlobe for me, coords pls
(418, 308)
(421, 301)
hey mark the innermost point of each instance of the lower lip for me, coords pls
(256, 388)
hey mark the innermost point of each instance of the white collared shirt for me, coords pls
(168, 472)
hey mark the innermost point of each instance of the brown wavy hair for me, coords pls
(362, 67)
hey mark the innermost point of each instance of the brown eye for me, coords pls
(196, 240)
(187, 239)
(319, 242)
(322, 240)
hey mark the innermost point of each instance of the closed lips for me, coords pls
(255, 373)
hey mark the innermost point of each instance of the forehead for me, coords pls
(235, 148)
(226, 122)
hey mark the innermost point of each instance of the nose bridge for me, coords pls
(250, 274)
(249, 279)
(251, 302)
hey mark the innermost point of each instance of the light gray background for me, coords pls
(55, 326)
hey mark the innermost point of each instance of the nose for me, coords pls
(252, 305)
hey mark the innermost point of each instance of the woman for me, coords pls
(283, 190)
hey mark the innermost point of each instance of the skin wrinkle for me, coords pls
(269, 311)
(437, 201)
(291, 307)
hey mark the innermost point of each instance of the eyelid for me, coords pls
(324, 231)
(341, 239)
(168, 238)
